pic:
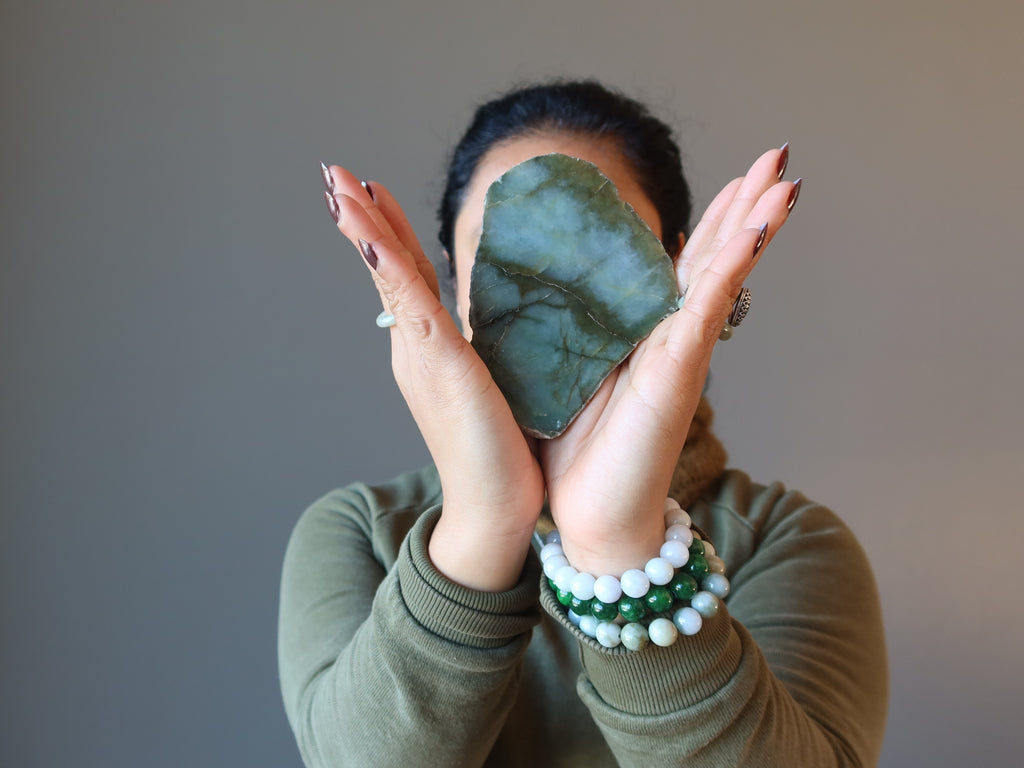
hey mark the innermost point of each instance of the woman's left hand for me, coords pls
(608, 474)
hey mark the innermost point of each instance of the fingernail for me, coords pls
(328, 179)
(794, 194)
(369, 255)
(783, 160)
(760, 240)
(369, 190)
(332, 207)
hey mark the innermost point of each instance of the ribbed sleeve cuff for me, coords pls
(656, 681)
(457, 613)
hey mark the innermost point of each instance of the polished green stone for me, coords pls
(697, 547)
(604, 611)
(697, 566)
(579, 607)
(567, 280)
(634, 636)
(683, 585)
(564, 596)
(632, 608)
(658, 599)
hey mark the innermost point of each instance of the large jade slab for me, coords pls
(568, 279)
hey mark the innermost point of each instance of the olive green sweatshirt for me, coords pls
(384, 662)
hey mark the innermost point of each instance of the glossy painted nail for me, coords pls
(783, 160)
(332, 207)
(794, 194)
(760, 240)
(369, 255)
(328, 179)
(369, 190)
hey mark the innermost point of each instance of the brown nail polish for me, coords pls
(328, 179)
(760, 240)
(783, 160)
(332, 207)
(369, 254)
(794, 194)
(369, 190)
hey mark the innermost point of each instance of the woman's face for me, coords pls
(469, 223)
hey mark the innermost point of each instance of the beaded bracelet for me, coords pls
(686, 579)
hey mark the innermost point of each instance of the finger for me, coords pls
(705, 230)
(763, 174)
(420, 318)
(399, 223)
(713, 292)
(386, 214)
(729, 211)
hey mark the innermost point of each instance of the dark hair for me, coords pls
(585, 107)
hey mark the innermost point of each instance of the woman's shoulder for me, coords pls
(749, 521)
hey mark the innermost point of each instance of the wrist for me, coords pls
(613, 551)
(488, 558)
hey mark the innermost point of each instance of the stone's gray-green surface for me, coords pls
(568, 279)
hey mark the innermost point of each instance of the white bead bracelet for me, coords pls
(685, 580)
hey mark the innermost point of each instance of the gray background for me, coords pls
(189, 356)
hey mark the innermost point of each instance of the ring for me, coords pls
(740, 308)
(739, 311)
(385, 320)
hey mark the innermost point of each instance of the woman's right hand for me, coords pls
(492, 484)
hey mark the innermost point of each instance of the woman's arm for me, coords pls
(792, 673)
(608, 474)
(384, 661)
(493, 487)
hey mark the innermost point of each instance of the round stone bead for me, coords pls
(553, 563)
(683, 586)
(671, 505)
(553, 537)
(709, 549)
(634, 583)
(717, 585)
(705, 603)
(582, 607)
(573, 617)
(550, 549)
(677, 516)
(564, 596)
(607, 589)
(604, 611)
(696, 567)
(675, 552)
(632, 608)
(563, 577)
(663, 632)
(588, 625)
(659, 570)
(688, 621)
(679, 533)
(715, 564)
(634, 636)
(583, 586)
(697, 547)
(608, 634)
(658, 599)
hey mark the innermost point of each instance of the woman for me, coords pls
(420, 633)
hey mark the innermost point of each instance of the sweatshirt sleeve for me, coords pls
(790, 671)
(398, 665)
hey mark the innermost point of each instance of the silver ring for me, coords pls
(385, 320)
(740, 308)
